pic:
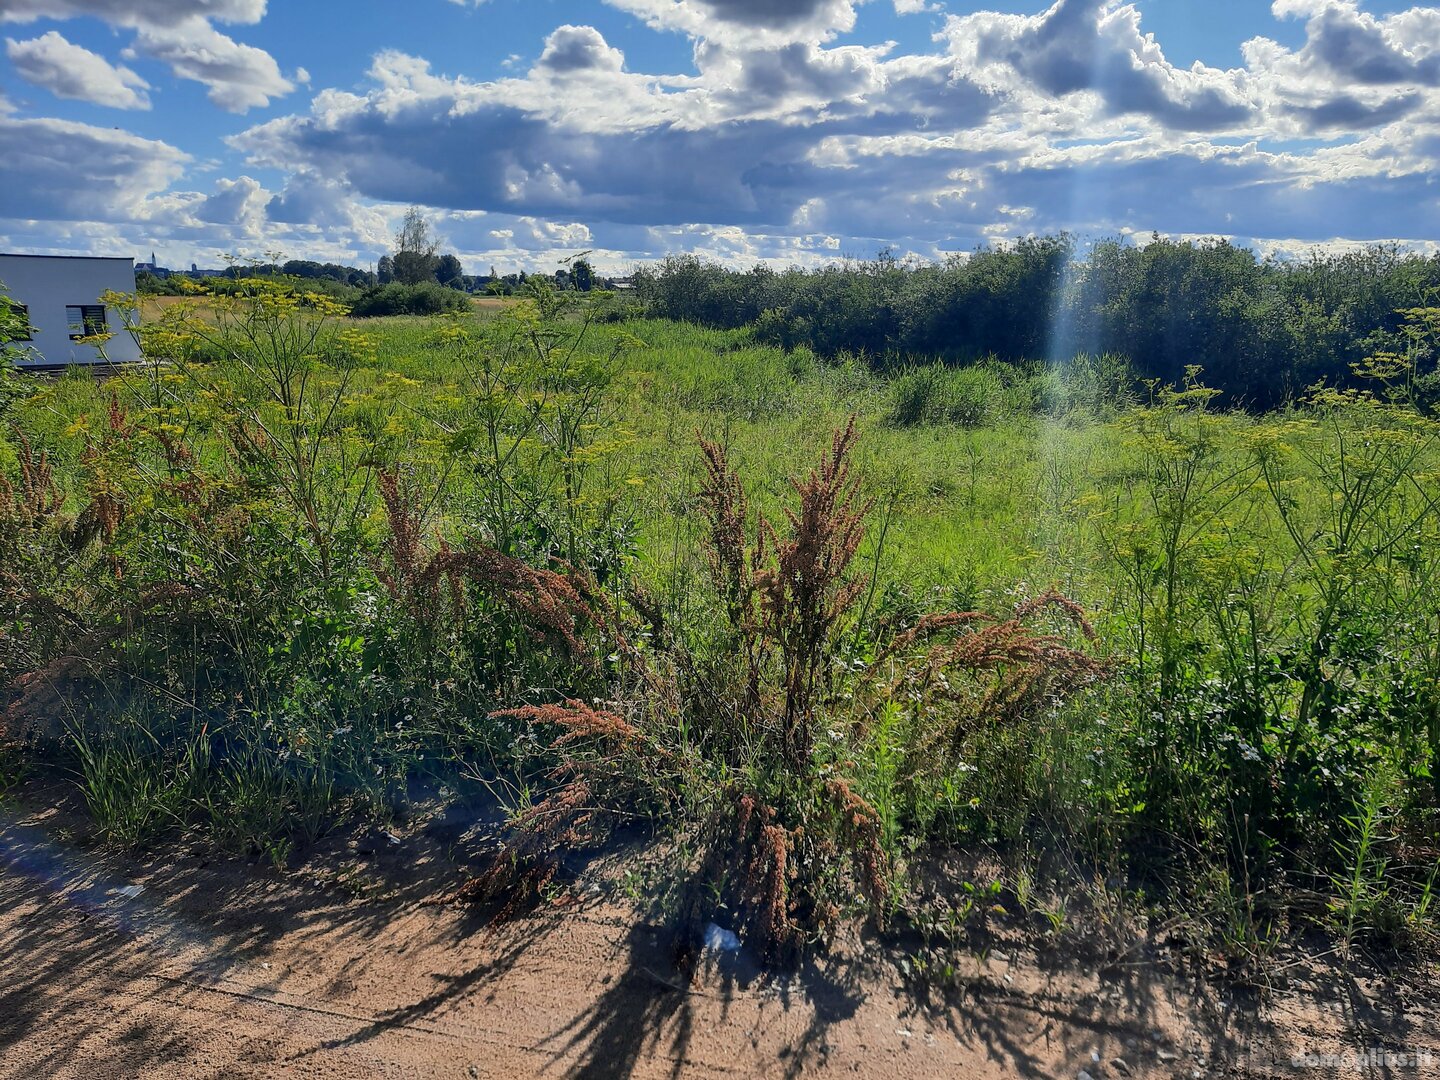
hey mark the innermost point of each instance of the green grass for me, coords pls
(1266, 590)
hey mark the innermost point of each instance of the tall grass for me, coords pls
(265, 586)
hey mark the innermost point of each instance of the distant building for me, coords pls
(152, 267)
(60, 296)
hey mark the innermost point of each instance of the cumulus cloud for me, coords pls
(308, 199)
(1354, 72)
(782, 145)
(1356, 46)
(239, 203)
(734, 144)
(134, 12)
(759, 22)
(778, 13)
(793, 76)
(510, 236)
(1072, 118)
(319, 206)
(239, 77)
(61, 170)
(181, 33)
(1097, 46)
(1348, 112)
(70, 71)
(580, 48)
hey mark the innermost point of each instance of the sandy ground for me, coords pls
(185, 965)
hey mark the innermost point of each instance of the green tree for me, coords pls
(448, 271)
(414, 260)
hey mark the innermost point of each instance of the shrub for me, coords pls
(426, 298)
(757, 748)
(968, 397)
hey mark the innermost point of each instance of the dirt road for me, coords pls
(113, 967)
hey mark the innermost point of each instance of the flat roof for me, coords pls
(107, 258)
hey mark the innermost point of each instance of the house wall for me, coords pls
(47, 285)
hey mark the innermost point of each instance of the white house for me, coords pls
(61, 297)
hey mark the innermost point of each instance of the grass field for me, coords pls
(1189, 652)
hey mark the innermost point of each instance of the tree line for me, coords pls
(1263, 329)
(404, 280)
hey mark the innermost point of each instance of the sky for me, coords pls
(790, 132)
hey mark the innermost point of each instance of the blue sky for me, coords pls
(786, 131)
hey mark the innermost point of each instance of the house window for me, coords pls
(85, 320)
(24, 329)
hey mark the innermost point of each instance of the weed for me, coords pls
(789, 838)
(264, 586)
(132, 801)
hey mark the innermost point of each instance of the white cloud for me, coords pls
(1097, 47)
(733, 143)
(312, 204)
(1071, 119)
(1355, 45)
(781, 145)
(1355, 72)
(70, 71)
(180, 33)
(748, 22)
(134, 12)
(240, 77)
(61, 170)
(238, 203)
(580, 48)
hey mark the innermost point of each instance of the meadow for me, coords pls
(809, 625)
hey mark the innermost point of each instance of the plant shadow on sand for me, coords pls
(214, 960)
(92, 964)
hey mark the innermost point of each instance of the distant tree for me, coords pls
(302, 268)
(448, 271)
(415, 260)
(385, 270)
(148, 284)
(582, 274)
